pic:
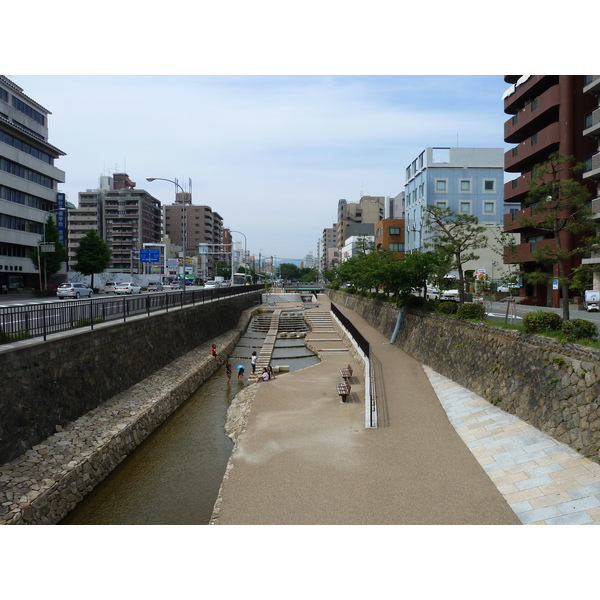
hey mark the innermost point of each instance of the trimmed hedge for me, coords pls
(448, 307)
(471, 310)
(541, 320)
(579, 329)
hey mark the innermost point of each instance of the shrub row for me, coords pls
(544, 321)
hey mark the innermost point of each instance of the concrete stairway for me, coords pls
(266, 352)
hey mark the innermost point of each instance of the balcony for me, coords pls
(594, 172)
(528, 153)
(534, 86)
(525, 251)
(513, 221)
(594, 128)
(517, 189)
(533, 116)
(593, 85)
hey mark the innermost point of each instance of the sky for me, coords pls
(271, 154)
(274, 113)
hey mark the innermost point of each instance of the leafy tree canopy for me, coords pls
(92, 255)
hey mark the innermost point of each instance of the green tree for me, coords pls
(223, 269)
(560, 206)
(92, 255)
(421, 268)
(289, 271)
(457, 235)
(49, 262)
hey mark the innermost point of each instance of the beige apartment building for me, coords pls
(357, 218)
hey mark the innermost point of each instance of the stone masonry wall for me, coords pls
(554, 387)
(45, 384)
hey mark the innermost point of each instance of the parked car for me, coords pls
(450, 295)
(73, 290)
(432, 294)
(506, 288)
(129, 287)
(176, 285)
(591, 300)
(109, 287)
(154, 286)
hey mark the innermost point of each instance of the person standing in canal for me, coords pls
(215, 354)
(240, 369)
(228, 370)
(253, 360)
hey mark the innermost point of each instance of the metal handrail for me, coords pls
(39, 320)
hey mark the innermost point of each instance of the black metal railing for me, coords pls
(355, 333)
(362, 343)
(40, 320)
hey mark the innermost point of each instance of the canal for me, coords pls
(174, 476)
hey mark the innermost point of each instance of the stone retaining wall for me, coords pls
(554, 387)
(44, 485)
(45, 384)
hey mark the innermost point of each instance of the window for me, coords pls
(397, 247)
(489, 208)
(515, 151)
(465, 185)
(465, 207)
(394, 230)
(489, 185)
(441, 185)
(379, 232)
(442, 204)
(588, 120)
(534, 139)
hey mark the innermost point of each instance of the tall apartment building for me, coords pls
(465, 180)
(592, 162)
(394, 207)
(125, 217)
(28, 184)
(203, 226)
(547, 114)
(358, 218)
(328, 251)
(88, 216)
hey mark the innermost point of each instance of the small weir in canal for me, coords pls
(174, 476)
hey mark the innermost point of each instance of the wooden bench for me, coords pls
(345, 375)
(343, 390)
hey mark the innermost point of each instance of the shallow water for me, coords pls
(174, 476)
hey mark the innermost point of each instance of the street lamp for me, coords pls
(245, 256)
(183, 218)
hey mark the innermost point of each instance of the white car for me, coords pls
(129, 287)
(73, 290)
(211, 284)
(450, 295)
(109, 287)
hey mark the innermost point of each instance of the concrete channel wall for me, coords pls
(554, 387)
(45, 384)
(45, 483)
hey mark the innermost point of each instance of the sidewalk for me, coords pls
(306, 458)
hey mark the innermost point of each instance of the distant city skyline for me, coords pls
(271, 154)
